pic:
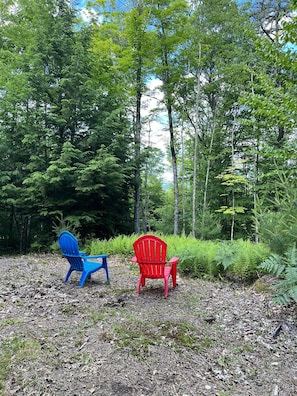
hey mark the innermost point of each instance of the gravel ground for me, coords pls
(207, 338)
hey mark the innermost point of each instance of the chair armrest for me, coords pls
(173, 260)
(82, 253)
(134, 259)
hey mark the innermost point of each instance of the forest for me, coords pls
(85, 95)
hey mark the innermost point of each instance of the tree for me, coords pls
(168, 21)
(269, 104)
(153, 194)
(32, 77)
(214, 59)
(138, 40)
(50, 96)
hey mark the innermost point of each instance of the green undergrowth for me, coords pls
(240, 259)
(237, 260)
(123, 244)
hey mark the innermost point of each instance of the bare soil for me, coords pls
(206, 338)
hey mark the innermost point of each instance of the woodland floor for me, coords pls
(206, 338)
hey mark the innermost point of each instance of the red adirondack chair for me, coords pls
(150, 253)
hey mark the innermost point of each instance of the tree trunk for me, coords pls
(183, 181)
(207, 175)
(233, 216)
(233, 193)
(137, 195)
(168, 104)
(174, 170)
(196, 148)
(256, 164)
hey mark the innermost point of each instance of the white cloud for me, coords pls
(89, 15)
(154, 116)
(155, 126)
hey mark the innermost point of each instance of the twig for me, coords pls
(277, 330)
(83, 345)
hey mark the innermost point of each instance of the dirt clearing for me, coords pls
(206, 338)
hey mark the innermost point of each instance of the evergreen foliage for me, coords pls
(277, 212)
(64, 145)
(75, 132)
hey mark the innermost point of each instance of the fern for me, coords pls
(240, 259)
(293, 293)
(285, 267)
(198, 259)
(273, 265)
(226, 254)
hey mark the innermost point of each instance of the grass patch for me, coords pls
(183, 335)
(71, 309)
(9, 322)
(134, 339)
(136, 336)
(14, 351)
(93, 316)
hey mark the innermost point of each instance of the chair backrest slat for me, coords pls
(151, 253)
(69, 246)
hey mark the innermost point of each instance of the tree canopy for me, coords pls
(74, 119)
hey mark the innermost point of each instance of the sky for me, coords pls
(82, 3)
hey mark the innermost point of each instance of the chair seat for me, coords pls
(92, 266)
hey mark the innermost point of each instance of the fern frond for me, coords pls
(291, 256)
(273, 265)
(293, 293)
(282, 298)
(225, 255)
(286, 267)
(291, 275)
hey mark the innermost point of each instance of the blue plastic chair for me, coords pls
(78, 260)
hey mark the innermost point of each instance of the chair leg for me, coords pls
(141, 282)
(173, 274)
(104, 262)
(68, 274)
(83, 278)
(166, 287)
(174, 280)
(107, 276)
